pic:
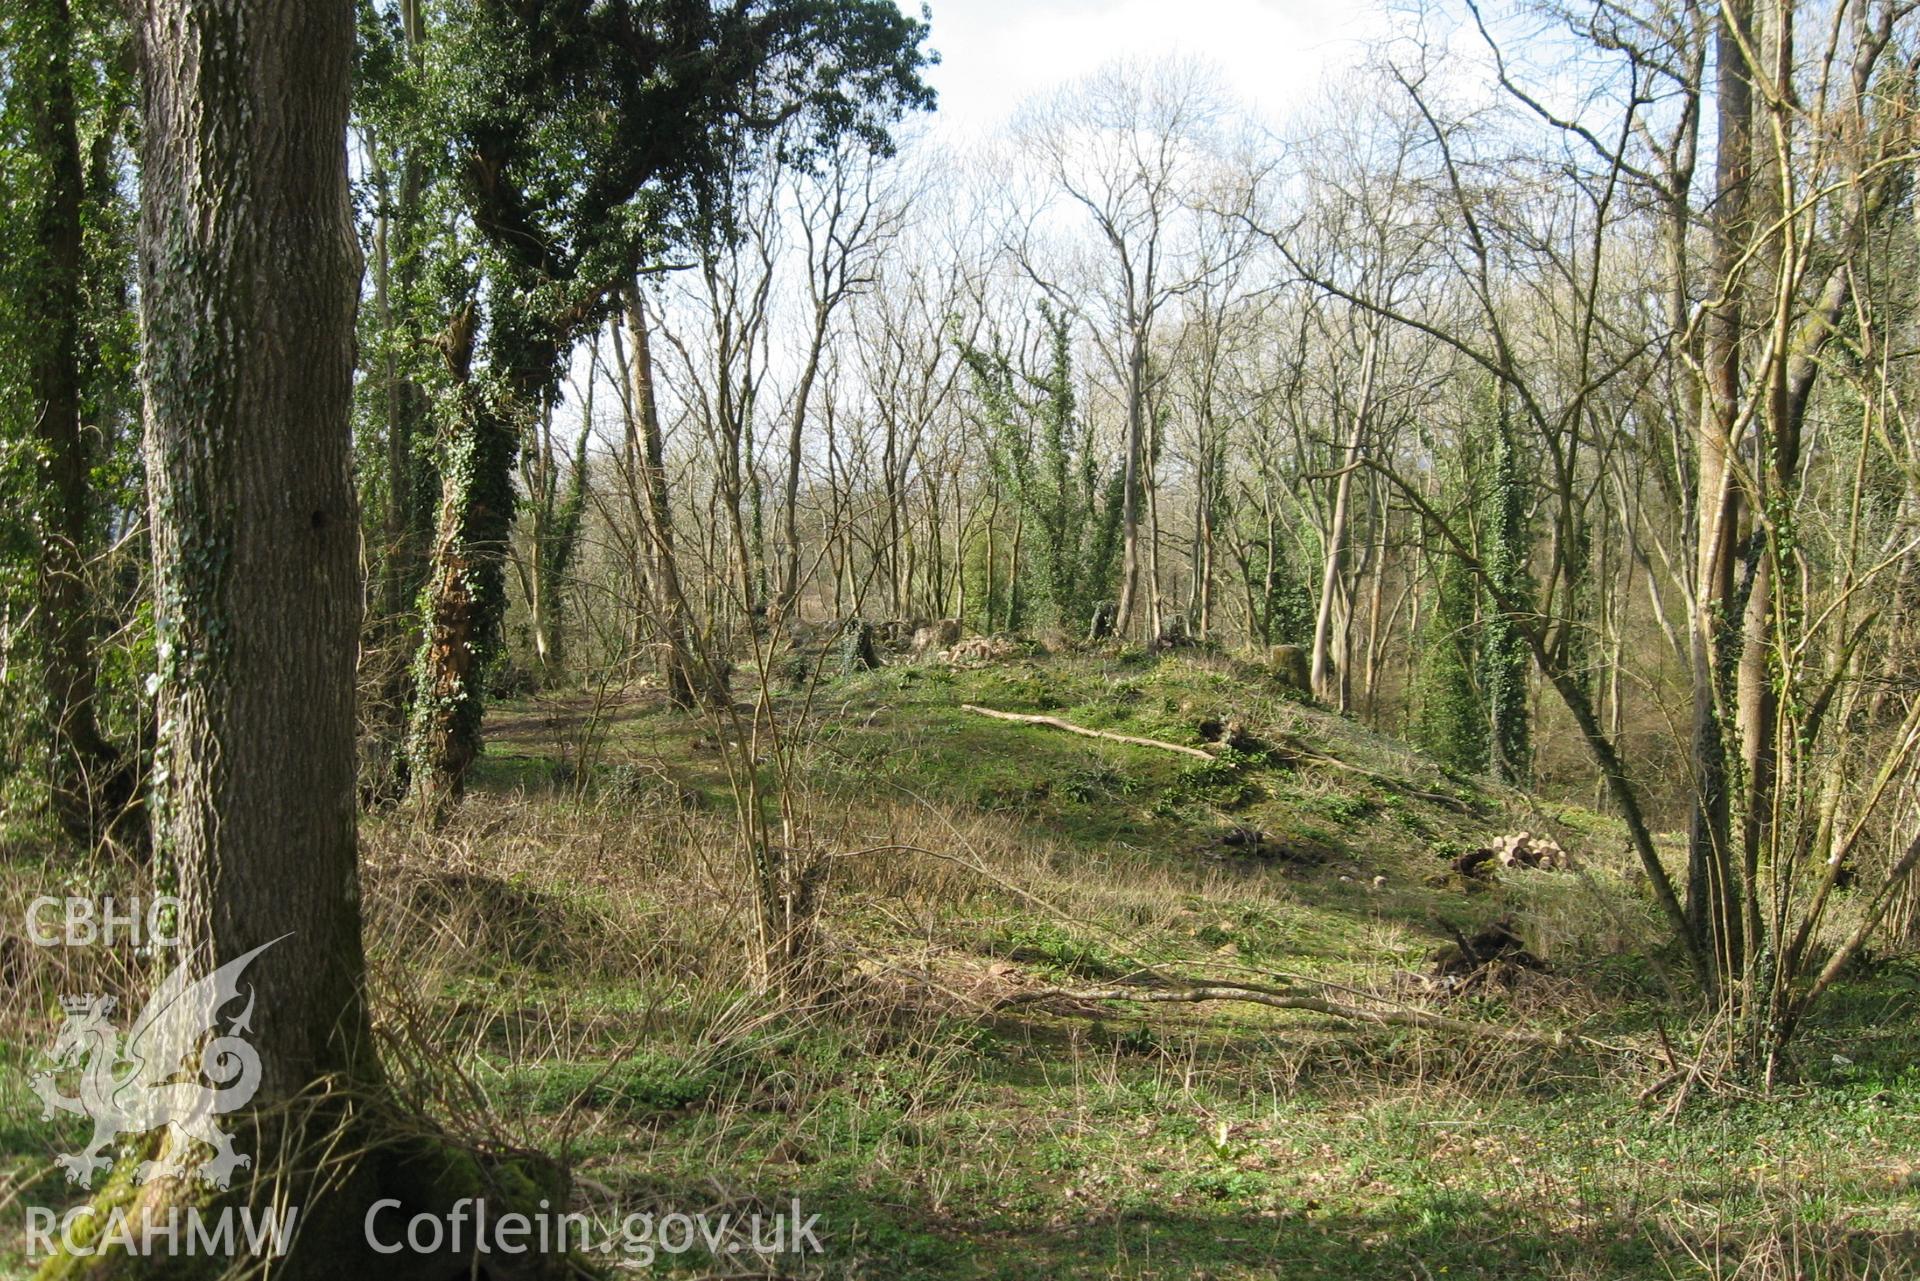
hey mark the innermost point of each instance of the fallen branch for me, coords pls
(1438, 798)
(1054, 722)
(1292, 750)
(1660, 1085)
(1283, 1001)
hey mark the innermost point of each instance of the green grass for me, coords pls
(1094, 1157)
(941, 1138)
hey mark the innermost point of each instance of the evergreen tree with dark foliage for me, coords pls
(586, 138)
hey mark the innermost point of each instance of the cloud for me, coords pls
(1272, 54)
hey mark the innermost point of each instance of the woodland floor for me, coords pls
(563, 970)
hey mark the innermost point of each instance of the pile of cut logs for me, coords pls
(1517, 849)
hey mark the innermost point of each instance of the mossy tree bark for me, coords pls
(248, 289)
(248, 279)
(248, 272)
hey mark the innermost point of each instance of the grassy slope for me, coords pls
(573, 944)
(1216, 1140)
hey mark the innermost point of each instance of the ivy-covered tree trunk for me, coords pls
(248, 287)
(415, 266)
(1506, 656)
(91, 781)
(569, 122)
(465, 599)
(558, 513)
(1058, 570)
(1449, 720)
(1064, 508)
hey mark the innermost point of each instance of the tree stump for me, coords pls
(857, 653)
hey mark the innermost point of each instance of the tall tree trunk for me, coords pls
(559, 511)
(1196, 575)
(540, 474)
(1130, 483)
(1711, 913)
(677, 663)
(1326, 682)
(988, 599)
(959, 550)
(392, 591)
(465, 591)
(644, 595)
(91, 782)
(1771, 481)
(1270, 568)
(1377, 627)
(788, 601)
(1507, 655)
(897, 585)
(753, 547)
(248, 284)
(1149, 471)
(412, 485)
(249, 277)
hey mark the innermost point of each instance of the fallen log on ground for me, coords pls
(1054, 722)
(1289, 1001)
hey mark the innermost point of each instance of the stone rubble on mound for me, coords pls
(982, 649)
(930, 638)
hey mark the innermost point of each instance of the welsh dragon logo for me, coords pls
(153, 1078)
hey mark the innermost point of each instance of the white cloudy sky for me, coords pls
(1272, 54)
